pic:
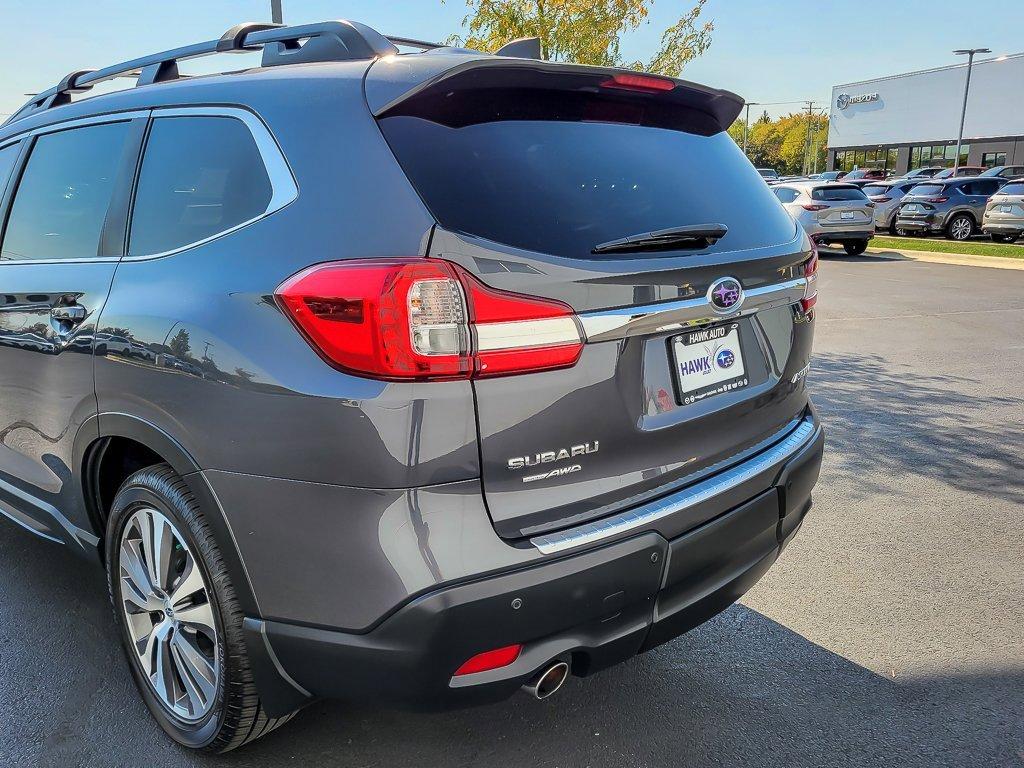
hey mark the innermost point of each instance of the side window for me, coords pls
(200, 177)
(8, 156)
(988, 187)
(786, 195)
(64, 193)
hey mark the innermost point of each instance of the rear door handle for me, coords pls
(72, 314)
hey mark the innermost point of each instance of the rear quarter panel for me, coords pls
(194, 344)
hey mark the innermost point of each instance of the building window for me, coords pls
(938, 155)
(992, 159)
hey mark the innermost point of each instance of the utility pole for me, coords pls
(807, 138)
(969, 53)
(746, 127)
(276, 14)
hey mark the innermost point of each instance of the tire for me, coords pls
(855, 247)
(1005, 239)
(893, 230)
(960, 228)
(229, 714)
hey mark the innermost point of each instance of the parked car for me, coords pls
(961, 172)
(828, 176)
(371, 315)
(830, 213)
(1004, 214)
(954, 207)
(768, 174)
(920, 174)
(863, 176)
(1005, 171)
(887, 196)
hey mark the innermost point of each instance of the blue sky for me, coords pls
(765, 50)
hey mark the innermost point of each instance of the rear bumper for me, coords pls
(924, 224)
(1003, 228)
(593, 608)
(844, 236)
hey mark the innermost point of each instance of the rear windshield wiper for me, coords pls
(691, 236)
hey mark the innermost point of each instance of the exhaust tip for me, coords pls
(547, 682)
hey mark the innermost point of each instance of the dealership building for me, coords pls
(908, 121)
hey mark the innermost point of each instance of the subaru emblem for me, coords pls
(726, 295)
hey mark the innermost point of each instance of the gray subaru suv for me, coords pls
(413, 378)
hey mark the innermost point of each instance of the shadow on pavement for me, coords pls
(884, 419)
(741, 690)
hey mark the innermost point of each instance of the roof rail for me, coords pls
(325, 41)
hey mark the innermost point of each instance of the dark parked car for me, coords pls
(961, 172)
(921, 174)
(863, 176)
(1005, 171)
(954, 207)
(405, 379)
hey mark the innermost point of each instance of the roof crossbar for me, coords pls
(325, 41)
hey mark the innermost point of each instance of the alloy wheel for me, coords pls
(169, 616)
(961, 229)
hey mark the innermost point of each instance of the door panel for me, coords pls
(64, 233)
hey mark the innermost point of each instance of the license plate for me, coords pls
(912, 208)
(846, 215)
(1005, 208)
(708, 362)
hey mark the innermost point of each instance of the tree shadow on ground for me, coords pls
(884, 419)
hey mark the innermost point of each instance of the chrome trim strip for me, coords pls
(648, 513)
(606, 325)
(523, 334)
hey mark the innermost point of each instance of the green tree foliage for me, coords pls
(585, 31)
(780, 144)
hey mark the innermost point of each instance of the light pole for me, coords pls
(276, 15)
(746, 126)
(969, 53)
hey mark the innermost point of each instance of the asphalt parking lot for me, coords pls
(889, 634)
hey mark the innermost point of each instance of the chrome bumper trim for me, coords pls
(606, 325)
(707, 489)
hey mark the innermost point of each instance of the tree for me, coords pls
(585, 31)
(780, 144)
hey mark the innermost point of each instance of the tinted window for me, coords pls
(786, 195)
(200, 177)
(837, 194)
(562, 187)
(927, 189)
(872, 190)
(64, 194)
(1012, 189)
(7, 157)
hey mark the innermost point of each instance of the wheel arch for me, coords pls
(93, 445)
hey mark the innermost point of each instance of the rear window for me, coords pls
(563, 176)
(837, 194)
(1016, 188)
(872, 190)
(927, 190)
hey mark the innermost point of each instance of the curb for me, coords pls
(957, 259)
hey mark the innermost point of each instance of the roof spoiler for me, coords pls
(718, 109)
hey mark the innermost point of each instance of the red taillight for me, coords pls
(881, 198)
(937, 199)
(482, 662)
(426, 319)
(813, 207)
(811, 275)
(644, 83)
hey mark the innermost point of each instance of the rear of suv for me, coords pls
(953, 208)
(410, 378)
(831, 213)
(1004, 214)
